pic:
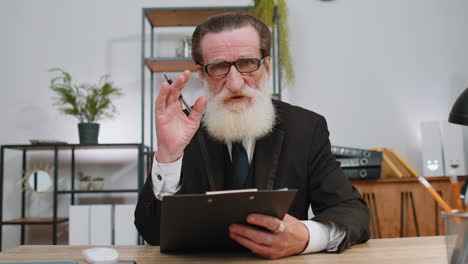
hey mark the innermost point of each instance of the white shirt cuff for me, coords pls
(166, 177)
(323, 236)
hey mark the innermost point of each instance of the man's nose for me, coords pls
(234, 80)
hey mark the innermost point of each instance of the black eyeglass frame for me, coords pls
(205, 67)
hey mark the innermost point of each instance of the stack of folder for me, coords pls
(359, 163)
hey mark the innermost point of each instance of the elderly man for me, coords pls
(248, 140)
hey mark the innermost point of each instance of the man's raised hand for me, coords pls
(174, 129)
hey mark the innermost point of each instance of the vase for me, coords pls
(97, 185)
(85, 185)
(89, 133)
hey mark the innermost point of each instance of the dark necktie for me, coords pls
(240, 166)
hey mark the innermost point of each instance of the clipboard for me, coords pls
(199, 222)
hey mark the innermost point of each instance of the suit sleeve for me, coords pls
(332, 196)
(147, 214)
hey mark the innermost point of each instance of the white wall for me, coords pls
(374, 68)
(88, 39)
(377, 69)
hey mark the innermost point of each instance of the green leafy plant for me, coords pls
(83, 177)
(87, 102)
(98, 179)
(264, 10)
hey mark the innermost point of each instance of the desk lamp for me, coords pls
(459, 115)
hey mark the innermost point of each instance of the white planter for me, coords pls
(85, 185)
(97, 185)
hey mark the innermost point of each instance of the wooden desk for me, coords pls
(414, 250)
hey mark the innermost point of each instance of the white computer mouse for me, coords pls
(101, 255)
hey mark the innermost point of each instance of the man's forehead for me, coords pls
(240, 41)
(237, 30)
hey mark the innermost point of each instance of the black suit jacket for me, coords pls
(296, 154)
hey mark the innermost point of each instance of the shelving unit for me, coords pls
(184, 17)
(142, 152)
(155, 17)
(169, 64)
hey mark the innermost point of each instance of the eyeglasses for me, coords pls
(244, 65)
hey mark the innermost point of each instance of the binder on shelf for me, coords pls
(199, 222)
(79, 225)
(391, 168)
(398, 164)
(453, 149)
(341, 152)
(360, 162)
(432, 149)
(362, 173)
(100, 225)
(125, 232)
(410, 170)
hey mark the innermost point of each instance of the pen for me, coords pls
(438, 199)
(435, 195)
(169, 81)
(456, 193)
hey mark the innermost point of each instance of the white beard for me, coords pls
(253, 118)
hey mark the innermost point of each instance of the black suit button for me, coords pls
(159, 177)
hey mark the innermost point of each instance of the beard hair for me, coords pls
(251, 118)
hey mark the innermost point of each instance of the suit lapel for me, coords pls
(267, 152)
(213, 155)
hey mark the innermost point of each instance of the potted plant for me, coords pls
(87, 102)
(85, 181)
(265, 11)
(97, 183)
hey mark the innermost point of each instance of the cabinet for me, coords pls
(403, 207)
(183, 17)
(73, 191)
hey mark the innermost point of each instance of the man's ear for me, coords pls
(267, 64)
(200, 74)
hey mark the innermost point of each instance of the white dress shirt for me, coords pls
(322, 236)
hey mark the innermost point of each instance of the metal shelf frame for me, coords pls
(36, 221)
(142, 153)
(180, 17)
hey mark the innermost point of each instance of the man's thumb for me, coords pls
(198, 109)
